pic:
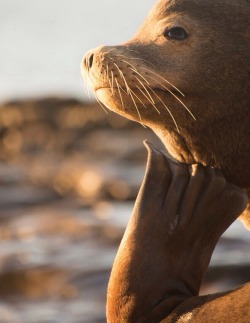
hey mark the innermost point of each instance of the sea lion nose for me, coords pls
(94, 57)
(88, 60)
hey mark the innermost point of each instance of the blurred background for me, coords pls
(69, 173)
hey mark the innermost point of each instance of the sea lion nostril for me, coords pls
(90, 62)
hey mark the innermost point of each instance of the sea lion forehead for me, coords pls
(164, 8)
(192, 6)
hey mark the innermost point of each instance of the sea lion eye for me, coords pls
(176, 33)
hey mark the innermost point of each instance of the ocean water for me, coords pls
(42, 42)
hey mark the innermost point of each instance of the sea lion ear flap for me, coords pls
(245, 216)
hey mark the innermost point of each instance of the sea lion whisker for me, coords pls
(163, 80)
(112, 82)
(102, 106)
(108, 78)
(138, 73)
(138, 98)
(139, 59)
(145, 88)
(144, 94)
(133, 68)
(87, 87)
(138, 88)
(84, 84)
(170, 113)
(110, 85)
(134, 59)
(123, 77)
(118, 87)
(99, 102)
(175, 96)
(131, 95)
(122, 89)
(107, 70)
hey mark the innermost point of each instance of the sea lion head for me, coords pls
(185, 74)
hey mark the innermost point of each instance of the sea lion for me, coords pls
(185, 74)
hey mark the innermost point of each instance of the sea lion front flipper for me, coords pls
(178, 217)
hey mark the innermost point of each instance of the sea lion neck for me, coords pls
(176, 146)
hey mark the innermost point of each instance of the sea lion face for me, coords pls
(185, 74)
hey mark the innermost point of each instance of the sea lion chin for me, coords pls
(185, 74)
